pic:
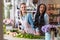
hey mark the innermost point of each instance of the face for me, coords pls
(42, 8)
(23, 8)
(50, 11)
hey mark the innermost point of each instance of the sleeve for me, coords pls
(30, 20)
(46, 18)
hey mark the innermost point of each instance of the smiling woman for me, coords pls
(1, 25)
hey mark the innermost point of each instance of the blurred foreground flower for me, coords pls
(48, 28)
(49, 31)
(8, 21)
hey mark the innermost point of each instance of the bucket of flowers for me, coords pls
(9, 24)
(49, 31)
(8, 21)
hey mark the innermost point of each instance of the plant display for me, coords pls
(29, 36)
(48, 28)
(8, 21)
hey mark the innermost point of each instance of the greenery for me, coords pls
(14, 31)
(4, 29)
(29, 36)
(23, 35)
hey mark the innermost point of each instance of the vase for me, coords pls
(47, 36)
(8, 27)
(52, 35)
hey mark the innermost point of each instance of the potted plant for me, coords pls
(9, 23)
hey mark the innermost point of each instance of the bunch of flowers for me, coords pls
(48, 28)
(8, 21)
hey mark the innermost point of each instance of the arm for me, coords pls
(30, 20)
(46, 18)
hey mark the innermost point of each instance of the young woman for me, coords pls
(40, 17)
(26, 20)
(50, 11)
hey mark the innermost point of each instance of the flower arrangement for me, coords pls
(8, 21)
(50, 31)
(48, 28)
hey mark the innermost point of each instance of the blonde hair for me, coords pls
(22, 4)
(21, 11)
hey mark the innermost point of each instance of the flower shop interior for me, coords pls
(9, 12)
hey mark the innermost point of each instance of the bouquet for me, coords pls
(48, 28)
(8, 21)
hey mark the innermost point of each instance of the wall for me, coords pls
(1, 25)
(49, 1)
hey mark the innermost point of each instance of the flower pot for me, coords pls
(47, 36)
(8, 27)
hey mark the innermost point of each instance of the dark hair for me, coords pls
(42, 22)
(38, 12)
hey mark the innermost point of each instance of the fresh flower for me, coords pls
(47, 28)
(8, 21)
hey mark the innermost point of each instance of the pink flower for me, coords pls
(8, 21)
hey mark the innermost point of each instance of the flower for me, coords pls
(8, 21)
(47, 28)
